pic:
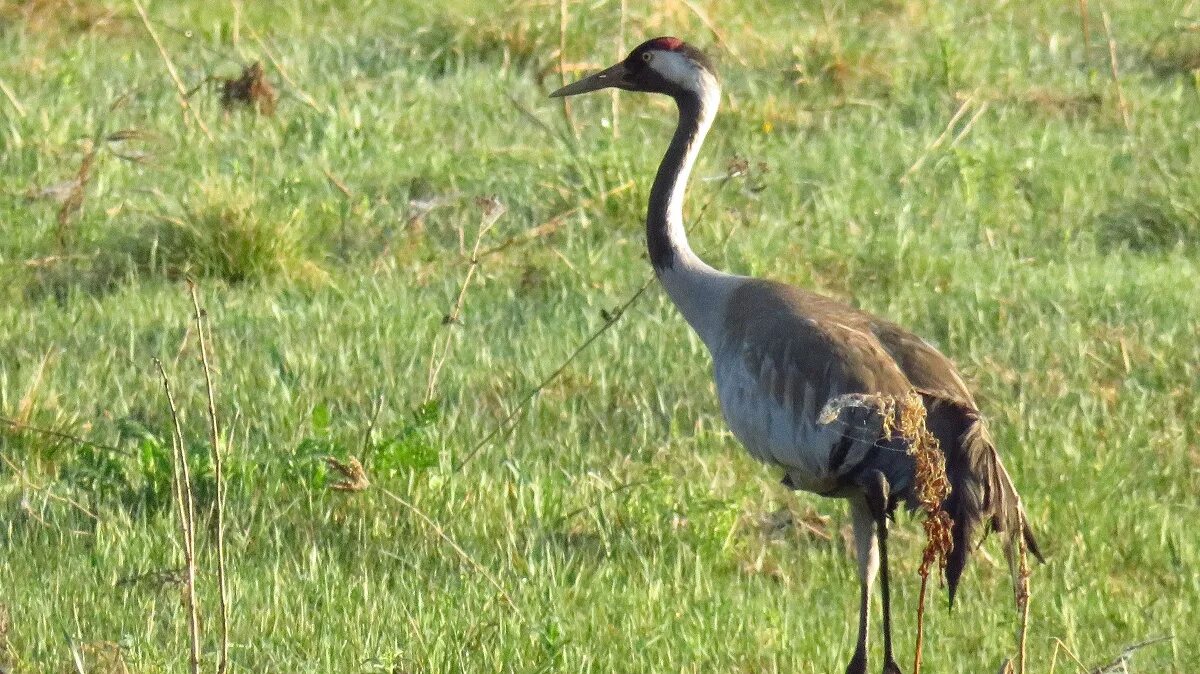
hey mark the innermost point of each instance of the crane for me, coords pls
(782, 354)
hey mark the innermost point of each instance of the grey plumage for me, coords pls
(782, 356)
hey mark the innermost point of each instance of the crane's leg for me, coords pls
(877, 494)
(868, 565)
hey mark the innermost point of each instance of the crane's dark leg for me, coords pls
(868, 565)
(877, 493)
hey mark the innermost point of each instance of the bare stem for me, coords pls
(218, 475)
(1122, 104)
(920, 623)
(1023, 594)
(562, 65)
(187, 518)
(458, 549)
(170, 65)
(493, 210)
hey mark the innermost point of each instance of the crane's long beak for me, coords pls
(614, 76)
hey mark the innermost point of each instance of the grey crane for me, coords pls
(781, 355)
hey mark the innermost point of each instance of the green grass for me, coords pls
(1052, 252)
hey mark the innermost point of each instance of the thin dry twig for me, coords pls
(970, 124)
(185, 503)
(1122, 104)
(30, 484)
(493, 209)
(367, 440)
(958, 114)
(170, 65)
(1122, 660)
(1059, 645)
(74, 199)
(616, 93)
(553, 224)
(1022, 595)
(17, 425)
(303, 95)
(610, 319)
(458, 549)
(218, 476)
(341, 186)
(562, 66)
(235, 33)
(29, 398)
(712, 28)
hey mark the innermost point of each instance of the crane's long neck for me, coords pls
(665, 235)
(697, 289)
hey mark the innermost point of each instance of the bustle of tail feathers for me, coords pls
(981, 493)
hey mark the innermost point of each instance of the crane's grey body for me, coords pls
(781, 355)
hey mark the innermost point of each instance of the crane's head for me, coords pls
(663, 65)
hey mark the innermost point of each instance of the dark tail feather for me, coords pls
(981, 494)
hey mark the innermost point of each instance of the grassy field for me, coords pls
(970, 170)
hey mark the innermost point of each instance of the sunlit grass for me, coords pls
(1049, 250)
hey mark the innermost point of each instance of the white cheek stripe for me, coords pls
(676, 68)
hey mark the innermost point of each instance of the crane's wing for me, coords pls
(805, 349)
(981, 489)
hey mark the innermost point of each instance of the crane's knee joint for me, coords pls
(878, 492)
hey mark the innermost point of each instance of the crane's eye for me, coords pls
(648, 56)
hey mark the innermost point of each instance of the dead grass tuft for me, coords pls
(904, 417)
(353, 475)
(229, 233)
(251, 89)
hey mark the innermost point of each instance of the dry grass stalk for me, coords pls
(12, 98)
(17, 425)
(29, 399)
(74, 199)
(98, 657)
(458, 549)
(28, 483)
(235, 33)
(250, 88)
(958, 114)
(932, 488)
(336, 182)
(562, 65)
(610, 319)
(1122, 104)
(303, 95)
(492, 210)
(1060, 646)
(354, 476)
(185, 504)
(1120, 664)
(553, 224)
(218, 476)
(1021, 590)
(904, 417)
(170, 65)
(616, 93)
(712, 28)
